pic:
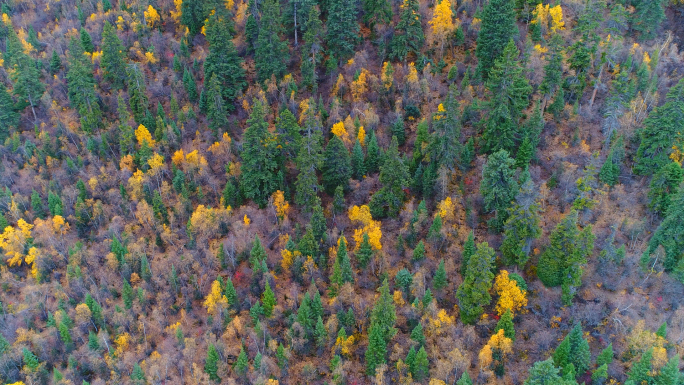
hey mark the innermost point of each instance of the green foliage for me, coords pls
(9, 118)
(421, 365)
(336, 165)
(439, 280)
(311, 50)
(113, 57)
(473, 294)
(561, 263)
(127, 294)
(544, 373)
(663, 186)
(271, 55)
(610, 171)
(465, 379)
(320, 334)
(506, 323)
(394, 177)
(365, 252)
(377, 349)
(30, 359)
(257, 254)
(522, 226)
(606, 356)
(269, 300)
(445, 146)
(93, 344)
(647, 18)
(211, 363)
(136, 91)
(498, 27)
(357, 161)
(498, 186)
(384, 314)
(418, 335)
(192, 16)
(419, 252)
(372, 154)
(342, 29)
(216, 108)
(223, 61)
(190, 86)
(309, 159)
(403, 280)
(468, 252)
(668, 233)
(81, 86)
(376, 12)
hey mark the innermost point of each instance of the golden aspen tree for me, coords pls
(359, 86)
(142, 134)
(13, 241)
(387, 75)
(361, 136)
(280, 204)
(370, 227)
(177, 12)
(511, 297)
(215, 301)
(442, 23)
(151, 16)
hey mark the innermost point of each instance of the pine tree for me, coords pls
(669, 374)
(271, 55)
(30, 359)
(473, 294)
(610, 171)
(408, 35)
(419, 252)
(346, 271)
(87, 41)
(342, 29)
(647, 18)
(338, 200)
(544, 373)
(663, 186)
(372, 155)
(383, 313)
(309, 159)
(257, 255)
(190, 86)
(304, 313)
(357, 161)
(289, 132)
(127, 294)
(65, 334)
(136, 90)
(37, 205)
(269, 300)
(522, 226)
(336, 165)
(113, 57)
(210, 364)
(377, 349)
(606, 356)
(421, 365)
(439, 280)
(573, 352)
(192, 16)
(25, 75)
(506, 323)
(311, 50)
(445, 146)
(561, 263)
(403, 280)
(376, 12)
(223, 60)
(230, 293)
(93, 344)
(251, 25)
(640, 372)
(318, 223)
(81, 85)
(216, 109)
(668, 233)
(394, 177)
(553, 70)
(498, 186)
(56, 62)
(465, 379)
(365, 252)
(498, 27)
(509, 93)
(320, 334)
(9, 118)
(260, 160)
(137, 375)
(468, 252)
(418, 335)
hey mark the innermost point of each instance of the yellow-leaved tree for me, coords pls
(215, 301)
(13, 242)
(151, 16)
(280, 205)
(511, 297)
(442, 23)
(495, 351)
(142, 134)
(369, 226)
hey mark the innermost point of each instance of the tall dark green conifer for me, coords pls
(113, 57)
(271, 56)
(408, 35)
(647, 17)
(669, 236)
(223, 59)
(342, 28)
(473, 294)
(216, 109)
(336, 165)
(9, 118)
(309, 160)
(394, 177)
(663, 186)
(498, 186)
(81, 84)
(136, 92)
(311, 49)
(192, 16)
(522, 226)
(376, 12)
(498, 27)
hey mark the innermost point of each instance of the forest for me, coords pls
(342, 192)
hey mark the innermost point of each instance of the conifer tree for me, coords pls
(377, 349)
(230, 293)
(127, 294)
(251, 25)
(113, 57)
(271, 54)
(9, 118)
(663, 186)
(193, 16)
(93, 343)
(342, 29)
(372, 155)
(468, 252)
(269, 300)
(384, 314)
(419, 252)
(311, 50)
(336, 165)
(553, 70)
(668, 233)
(610, 171)
(661, 125)
(308, 160)
(376, 12)
(408, 35)
(87, 41)
(606, 356)
(56, 62)
(421, 365)
(544, 373)
(216, 109)
(137, 375)
(498, 27)
(81, 85)
(190, 86)
(260, 158)
(561, 263)
(473, 294)
(25, 75)
(403, 280)
(357, 161)
(439, 280)
(210, 364)
(346, 272)
(223, 60)
(506, 323)
(522, 226)
(137, 92)
(509, 93)
(394, 177)
(647, 18)
(365, 252)
(640, 371)
(446, 146)
(465, 379)
(498, 186)
(418, 335)
(320, 334)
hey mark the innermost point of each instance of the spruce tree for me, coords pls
(445, 142)
(497, 29)
(377, 349)
(498, 186)
(468, 252)
(9, 118)
(509, 93)
(87, 41)
(81, 86)
(269, 300)
(113, 57)
(127, 294)
(561, 264)
(357, 161)
(544, 373)
(394, 177)
(473, 294)
(663, 186)
(342, 29)
(216, 108)
(190, 86)
(25, 75)
(647, 18)
(93, 343)
(439, 280)
(661, 125)
(465, 379)
(271, 54)
(193, 16)
(522, 226)
(230, 293)
(320, 334)
(376, 12)
(403, 280)
(260, 158)
(640, 372)
(553, 70)
(56, 62)
(346, 271)
(668, 233)
(311, 49)
(223, 60)
(309, 159)
(606, 356)
(419, 252)
(137, 93)
(610, 171)
(383, 313)
(336, 165)
(418, 335)
(408, 35)
(421, 365)
(506, 323)
(365, 252)
(211, 363)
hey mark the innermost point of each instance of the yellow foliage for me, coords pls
(339, 131)
(246, 220)
(485, 357)
(288, 258)
(344, 345)
(434, 381)
(647, 59)
(501, 343)
(127, 162)
(412, 76)
(387, 75)
(143, 135)
(549, 17)
(271, 381)
(371, 227)
(338, 85)
(557, 22)
(92, 183)
(135, 183)
(156, 162)
(361, 136)
(59, 225)
(6, 20)
(442, 21)
(151, 16)
(120, 23)
(511, 297)
(398, 298)
(121, 343)
(215, 298)
(96, 56)
(445, 209)
(359, 86)
(13, 241)
(178, 157)
(150, 58)
(540, 49)
(280, 204)
(18, 382)
(176, 15)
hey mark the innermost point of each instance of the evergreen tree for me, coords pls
(28, 87)
(137, 91)
(260, 160)
(357, 161)
(509, 93)
(251, 25)
(544, 373)
(55, 204)
(610, 171)
(403, 280)
(553, 70)
(320, 334)
(465, 379)
(56, 62)
(93, 344)
(468, 252)
(498, 27)
(640, 371)
(271, 55)
(30, 359)
(137, 375)
(113, 57)
(230, 293)
(190, 86)
(342, 29)
(338, 200)
(216, 109)
(394, 177)
(65, 335)
(223, 60)
(445, 146)
(9, 118)
(668, 233)
(506, 323)
(580, 355)
(419, 252)
(257, 255)
(408, 35)
(211, 363)
(308, 160)
(87, 41)
(647, 18)
(365, 252)
(606, 356)
(127, 294)
(193, 16)
(561, 263)
(439, 280)
(346, 271)
(269, 300)
(473, 294)
(37, 205)
(384, 314)
(421, 365)
(377, 349)
(669, 374)
(418, 335)
(311, 50)
(662, 330)
(498, 186)
(81, 85)
(336, 165)
(376, 12)
(522, 226)
(663, 186)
